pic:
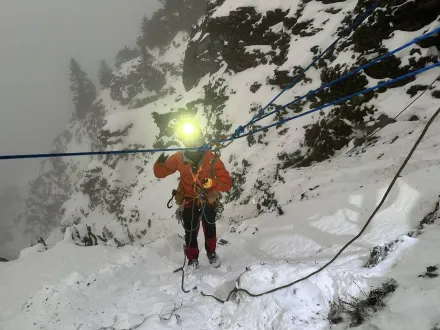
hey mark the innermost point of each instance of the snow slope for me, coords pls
(103, 287)
(40, 212)
(128, 282)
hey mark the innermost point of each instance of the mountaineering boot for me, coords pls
(193, 264)
(214, 259)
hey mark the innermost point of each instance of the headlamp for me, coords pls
(188, 129)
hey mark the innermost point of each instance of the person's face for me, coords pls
(193, 141)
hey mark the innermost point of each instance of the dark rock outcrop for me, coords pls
(224, 39)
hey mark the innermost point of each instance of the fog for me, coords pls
(37, 40)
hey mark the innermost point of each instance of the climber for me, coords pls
(203, 177)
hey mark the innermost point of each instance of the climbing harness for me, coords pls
(189, 232)
(218, 144)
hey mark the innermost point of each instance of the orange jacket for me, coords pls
(221, 180)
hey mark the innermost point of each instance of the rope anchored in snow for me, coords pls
(237, 290)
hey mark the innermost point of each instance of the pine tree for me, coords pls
(83, 90)
(146, 59)
(126, 54)
(153, 79)
(141, 40)
(105, 74)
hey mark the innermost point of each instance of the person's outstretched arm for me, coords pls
(165, 165)
(222, 181)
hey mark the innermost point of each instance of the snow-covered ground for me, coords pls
(101, 287)
(324, 205)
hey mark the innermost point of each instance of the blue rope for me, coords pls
(206, 146)
(240, 130)
(351, 73)
(346, 98)
(345, 33)
(119, 152)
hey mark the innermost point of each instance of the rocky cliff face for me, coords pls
(221, 71)
(41, 212)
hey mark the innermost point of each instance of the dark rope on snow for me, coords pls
(236, 290)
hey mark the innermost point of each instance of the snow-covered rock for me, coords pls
(299, 195)
(28, 252)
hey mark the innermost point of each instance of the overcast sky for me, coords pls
(37, 40)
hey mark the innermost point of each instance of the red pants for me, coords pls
(192, 218)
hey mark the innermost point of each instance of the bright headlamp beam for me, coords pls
(188, 129)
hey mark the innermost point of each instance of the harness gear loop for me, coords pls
(170, 202)
(197, 185)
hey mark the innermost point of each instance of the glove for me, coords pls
(162, 158)
(208, 183)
